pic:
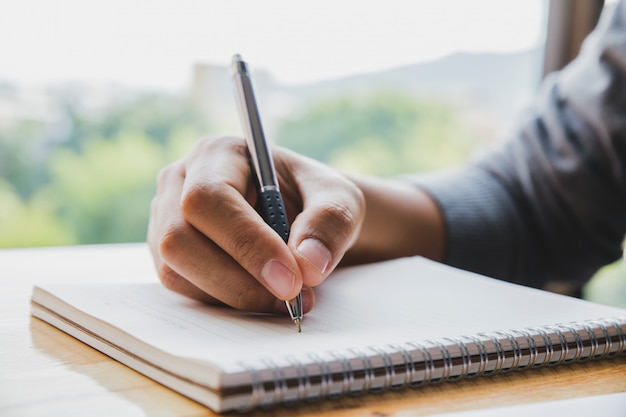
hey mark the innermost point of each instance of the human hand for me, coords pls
(209, 243)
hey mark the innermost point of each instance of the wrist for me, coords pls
(401, 219)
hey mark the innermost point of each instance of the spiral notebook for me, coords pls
(401, 323)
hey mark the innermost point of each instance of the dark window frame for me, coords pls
(569, 22)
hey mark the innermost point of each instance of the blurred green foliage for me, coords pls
(89, 178)
(30, 223)
(108, 184)
(381, 134)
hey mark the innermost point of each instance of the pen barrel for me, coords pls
(270, 206)
(260, 155)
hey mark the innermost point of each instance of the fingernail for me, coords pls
(316, 253)
(278, 277)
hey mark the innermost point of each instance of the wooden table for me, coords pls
(44, 372)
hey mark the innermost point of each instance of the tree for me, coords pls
(104, 192)
(89, 177)
(384, 134)
(32, 223)
(23, 157)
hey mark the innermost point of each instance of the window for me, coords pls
(96, 96)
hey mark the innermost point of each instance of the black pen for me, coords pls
(269, 201)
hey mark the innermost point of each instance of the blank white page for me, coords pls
(404, 300)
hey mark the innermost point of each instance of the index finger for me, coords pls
(216, 201)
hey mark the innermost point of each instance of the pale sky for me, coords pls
(154, 43)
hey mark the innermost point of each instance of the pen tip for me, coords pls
(298, 325)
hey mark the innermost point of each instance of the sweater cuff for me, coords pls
(484, 230)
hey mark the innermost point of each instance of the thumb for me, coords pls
(332, 213)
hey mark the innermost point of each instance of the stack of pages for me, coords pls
(400, 323)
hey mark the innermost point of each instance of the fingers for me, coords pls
(333, 209)
(209, 243)
(213, 202)
(190, 263)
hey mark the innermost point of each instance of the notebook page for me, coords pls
(409, 299)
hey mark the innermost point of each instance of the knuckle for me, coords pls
(346, 215)
(200, 196)
(171, 239)
(170, 279)
(195, 196)
(339, 216)
(338, 224)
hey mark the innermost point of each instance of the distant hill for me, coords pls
(500, 82)
(493, 85)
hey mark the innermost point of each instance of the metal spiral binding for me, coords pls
(409, 366)
(258, 389)
(564, 350)
(466, 358)
(429, 365)
(622, 338)
(533, 350)
(390, 372)
(608, 342)
(593, 341)
(278, 378)
(483, 354)
(580, 346)
(326, 376)
(515, 347)
(303, 378)
(501, 354)
(336, 371)
(547, 344)
(610, 351)
(446, 358)
(346, 370)
(369, 374)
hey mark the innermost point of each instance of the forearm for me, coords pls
(549, 204)
(400, 220)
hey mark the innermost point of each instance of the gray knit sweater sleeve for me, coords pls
(550, 204)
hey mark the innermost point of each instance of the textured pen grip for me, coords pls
(270, 206)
